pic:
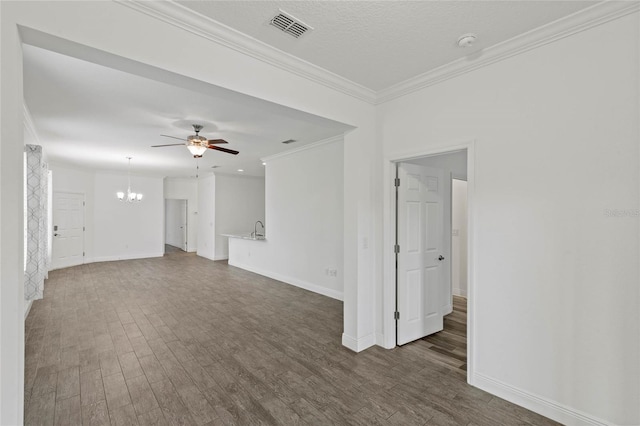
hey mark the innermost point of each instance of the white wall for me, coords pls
(554, 297)
(207, 217)
(240, 202)
(459, 238)
(186, 189)
(114, 229)
(303, 221)
(175, 218)
(128, 230)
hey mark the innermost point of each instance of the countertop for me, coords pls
(246, 236)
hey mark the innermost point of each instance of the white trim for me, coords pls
(380, 340)
(558, 412)
(198, 24)
(123, 257)
(339, 138)
(358, 345)
(223, 257)
(334, 294)
(459, 292)
(27, 308)
(389, 218)
(582, 20)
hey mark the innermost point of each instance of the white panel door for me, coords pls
(183, 223)
(420, 239)
(68, 230)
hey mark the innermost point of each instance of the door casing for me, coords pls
(387, 336)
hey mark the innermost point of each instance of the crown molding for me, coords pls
(198, 24)
(313, 145)
(29, 125)
(582, 20)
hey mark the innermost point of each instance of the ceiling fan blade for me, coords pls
(180, 139)
(228, 151)
(216, 141)
(171, 144)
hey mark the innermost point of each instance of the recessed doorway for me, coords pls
(430, 225)
(175, 234)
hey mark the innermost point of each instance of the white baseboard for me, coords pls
(223, 257)
(192, 250)
(383, 343)
(334, 294)
(358, 345)
(551, 409)
(27, 308)
(459, 292)
(123, 257)
(206, 256)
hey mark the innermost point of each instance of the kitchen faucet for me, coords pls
(255, 230)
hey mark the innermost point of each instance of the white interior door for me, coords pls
(420, 256)
(183, 223)
(68, 230)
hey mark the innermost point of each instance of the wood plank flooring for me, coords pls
(181, 340)
(450, 345)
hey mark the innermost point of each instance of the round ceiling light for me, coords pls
(466, 40)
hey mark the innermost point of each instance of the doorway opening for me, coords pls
(175, 229)
(431, 246)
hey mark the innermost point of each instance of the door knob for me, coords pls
(441, 258)
(55, 235)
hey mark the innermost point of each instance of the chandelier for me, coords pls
(129, 197)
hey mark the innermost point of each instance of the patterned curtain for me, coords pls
(37, 190)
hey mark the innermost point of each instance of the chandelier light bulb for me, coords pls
(130, 196)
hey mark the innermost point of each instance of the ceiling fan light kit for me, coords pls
(130, 196)
(197, 145)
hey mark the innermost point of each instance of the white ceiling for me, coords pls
(381, 43)
(92, 116)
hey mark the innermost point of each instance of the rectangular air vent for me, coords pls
(288, 141)
(290, 25)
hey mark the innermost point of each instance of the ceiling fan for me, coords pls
(197, 144)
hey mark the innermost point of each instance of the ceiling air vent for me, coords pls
(290, 25)
(288, 141)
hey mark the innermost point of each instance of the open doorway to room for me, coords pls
(450, 344)
(175, 225)
(431, 256)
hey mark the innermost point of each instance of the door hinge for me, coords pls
(396, 181)
(396, 315)
(83, 228)
(396, 249)
(82, 254)
(83, 203)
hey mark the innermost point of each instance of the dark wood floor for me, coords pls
(184, 340)
(449, 346)
(169, 249)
